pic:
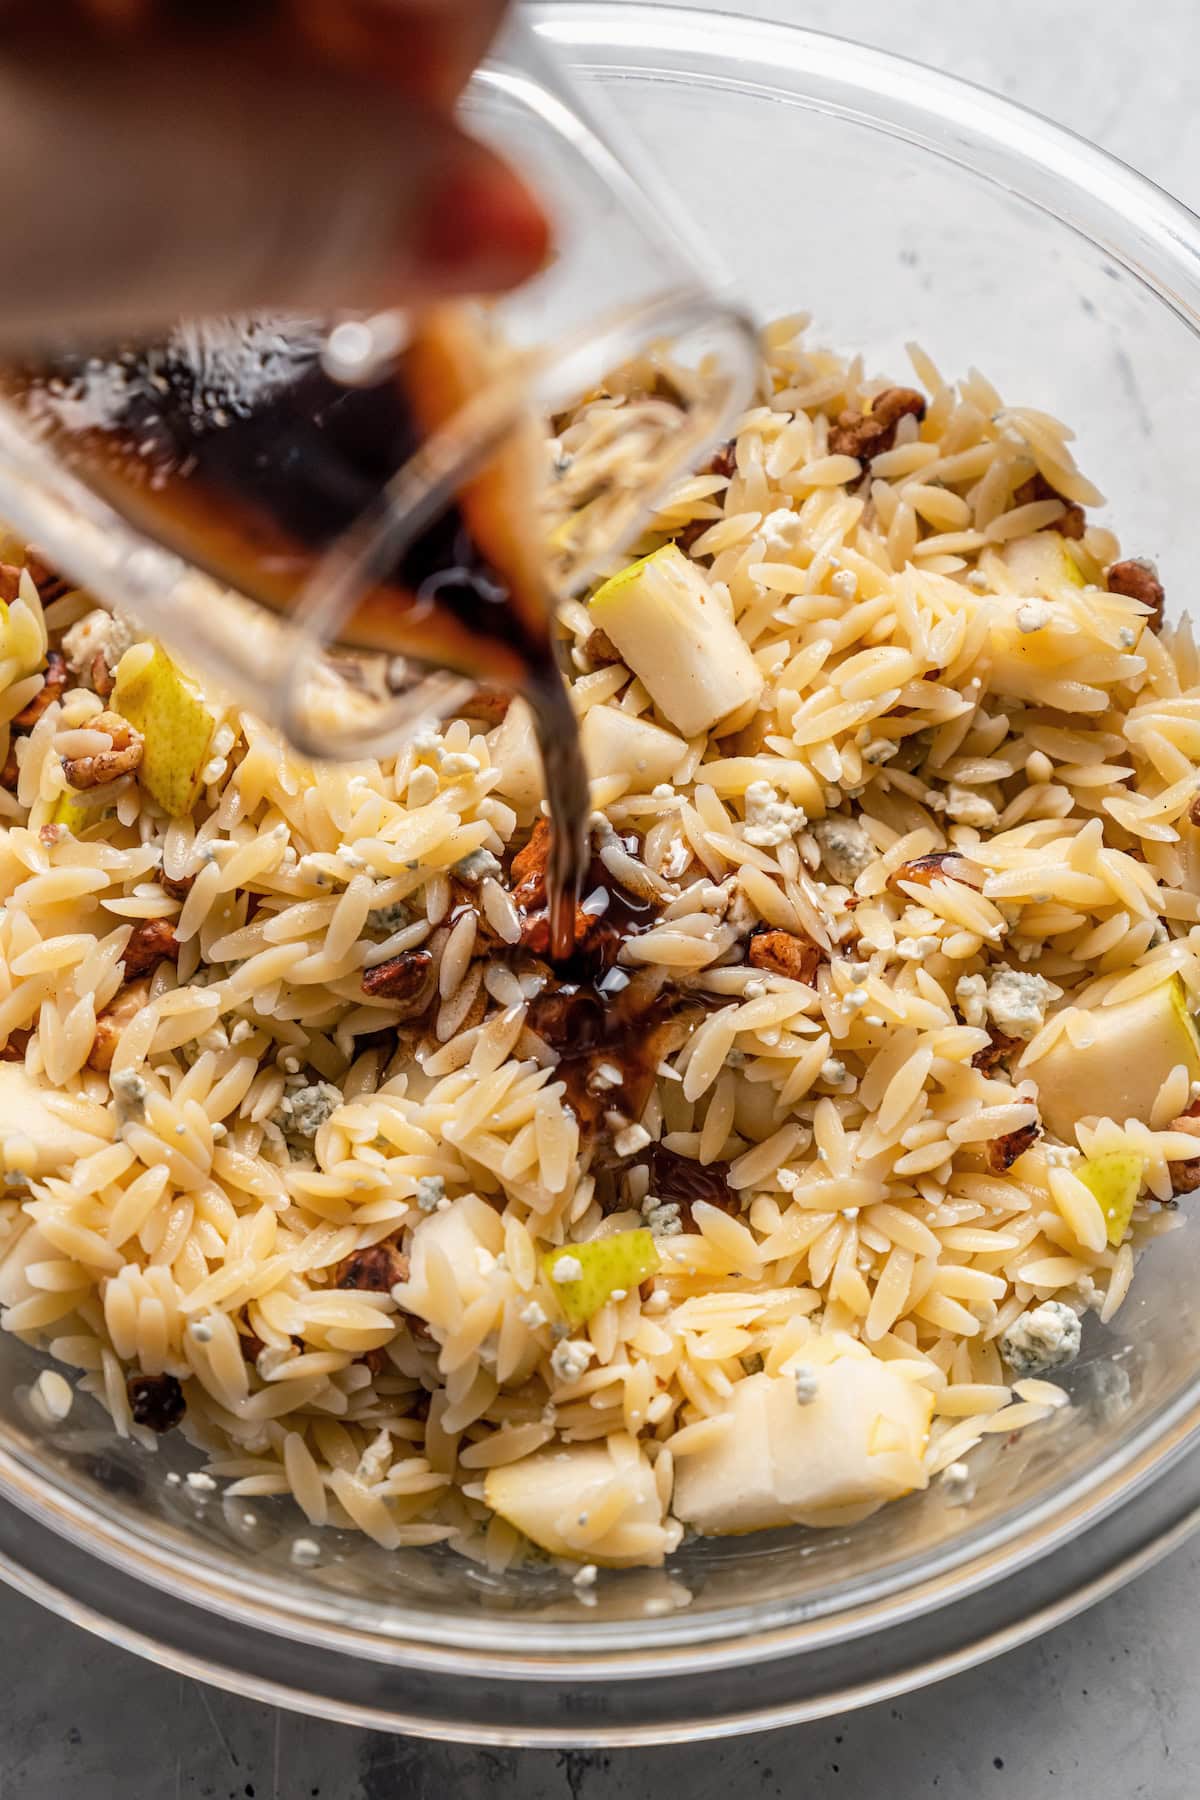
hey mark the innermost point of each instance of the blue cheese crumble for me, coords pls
(1046, 1337)
(302, 1113)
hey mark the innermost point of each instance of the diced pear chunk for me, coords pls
(615, 743)
(592, 1502)
(1042, 564)
(25, 1119)
(176, 726)
(450, 1257)
(1134, 1047)
(857, 1442)
(675, 635)
(1115, 1179)
(513, 750)
(585, 1276)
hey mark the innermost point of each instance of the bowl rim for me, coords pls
(1155, 238)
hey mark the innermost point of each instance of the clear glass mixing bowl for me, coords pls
(893, 203)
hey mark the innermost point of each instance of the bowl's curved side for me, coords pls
(940, 1593)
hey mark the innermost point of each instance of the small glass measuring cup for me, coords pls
(343, 679)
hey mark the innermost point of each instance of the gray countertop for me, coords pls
(1103, 1707)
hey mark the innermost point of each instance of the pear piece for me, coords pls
(1134, 1047)
(824, 1446)
(176, 726)
(675, 635)
(605, 1265)
(615, 743)
(552, 1495)
(1115, 1179)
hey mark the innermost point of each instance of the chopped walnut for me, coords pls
(177, 886)
(407, 979)
(869, 434)
(151, 941)
(1073, 522)
(489, 704)
(14, 1048)
(943, 865)
(10, 582)
(106, 765)
(1185, 1176)
(376, 1269)
(996, 1051)
(599, 649)
(101, 676)
(1137, 579)
(46, 579)
(783, 953)
(1002, 1152)
(112, 1021)
(723, 461)
(56, 679)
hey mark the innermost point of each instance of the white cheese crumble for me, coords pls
(200, 1483)
(833, 1073)
(663, 1218)
(967, 807)
(807, 1385)
(631, 1140)
(98, 633)
(770, 819)
(532, 1315)
(845, 848)
(129, 1091)
(1017, 1001)
(1045, 1337)
(430, 1189)
(971, 993)
(1033, 616)
(476, 866)
(568, 1268)
(570, 1359)
(302, 1113)
(778, 533)
(305, 1551)
(585, 1577)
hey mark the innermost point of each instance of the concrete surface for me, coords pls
(1104, 1707)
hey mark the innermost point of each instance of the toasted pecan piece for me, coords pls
(112, 1021)
(1137, 579)
(376, 1269)
(998, 1049)
(151, 941)
(599, 648)
(490, 704)
(1185, 1176)
(406, 979)
(56, 679)
(939, 865)
(783, 953)
(1002, 1152)
(869, 434)
(106, 765)
(178, 886)
(1073, 522)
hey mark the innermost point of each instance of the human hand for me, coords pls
(160, 157)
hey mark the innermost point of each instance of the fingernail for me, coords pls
(483, 230)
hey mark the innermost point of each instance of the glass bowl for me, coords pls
(894, 203)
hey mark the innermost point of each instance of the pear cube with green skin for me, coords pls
(673, 632)
(1134, 1047)
(609, 1265)
(159, 701)
(1115, 1179)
